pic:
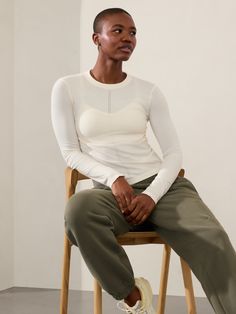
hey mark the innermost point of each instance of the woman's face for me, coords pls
(117, 38)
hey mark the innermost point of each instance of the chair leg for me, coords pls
(190, 300)
(65, 276)
(97, 298)
(164, 278)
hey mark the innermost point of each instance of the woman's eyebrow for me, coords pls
(120, 25)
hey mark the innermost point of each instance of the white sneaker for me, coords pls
(143, 306)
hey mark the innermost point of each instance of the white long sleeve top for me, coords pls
(101, 131)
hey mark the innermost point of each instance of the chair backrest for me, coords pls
(72, 176)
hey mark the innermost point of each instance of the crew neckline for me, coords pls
(105, 85)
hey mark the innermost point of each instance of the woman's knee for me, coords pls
(78, 206)
(82, 204)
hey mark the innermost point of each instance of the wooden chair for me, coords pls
(72, 176)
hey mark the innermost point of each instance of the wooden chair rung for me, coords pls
(163, 279)
(65, 276)
(188, 285)
(97, 298)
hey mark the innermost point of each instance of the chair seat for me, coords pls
(139, 237)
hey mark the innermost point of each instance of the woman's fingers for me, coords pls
(123, 199)
(137, 208)
(123, 193)
(140, 208)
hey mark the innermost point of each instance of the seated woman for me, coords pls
(100, 119)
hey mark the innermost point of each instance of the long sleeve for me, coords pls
(63, 122)
(167, 138)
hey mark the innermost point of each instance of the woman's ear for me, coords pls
(96, 39)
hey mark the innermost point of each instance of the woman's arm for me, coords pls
(142, 204)
(167, 138)
(64, 127)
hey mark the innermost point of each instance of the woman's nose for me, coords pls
(127, 37)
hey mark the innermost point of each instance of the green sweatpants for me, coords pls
(93, 220)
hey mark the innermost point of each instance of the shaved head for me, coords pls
(98, 21)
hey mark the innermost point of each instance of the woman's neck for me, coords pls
(108, 72)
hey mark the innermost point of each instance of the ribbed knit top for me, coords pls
(101, 130)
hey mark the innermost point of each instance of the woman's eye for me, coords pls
(119, 31)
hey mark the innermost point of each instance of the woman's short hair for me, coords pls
(97, 23)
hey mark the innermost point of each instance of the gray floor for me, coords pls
(46, 301)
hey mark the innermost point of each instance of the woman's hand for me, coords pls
(135, 208)
(139, 209)
(123, 193)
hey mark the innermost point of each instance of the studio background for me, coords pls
(187, 47)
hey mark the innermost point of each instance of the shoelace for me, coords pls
(121, 306)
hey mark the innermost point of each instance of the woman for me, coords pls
(100, 119)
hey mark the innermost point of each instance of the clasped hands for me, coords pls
(135, 208)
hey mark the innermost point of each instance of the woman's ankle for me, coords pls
(133, 297)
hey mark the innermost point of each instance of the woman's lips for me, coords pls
(126, 49)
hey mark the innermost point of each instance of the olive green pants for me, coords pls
(93, 220)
